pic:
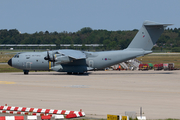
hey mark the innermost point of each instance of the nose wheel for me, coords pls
(26, 72)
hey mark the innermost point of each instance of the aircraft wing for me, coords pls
(74, 54)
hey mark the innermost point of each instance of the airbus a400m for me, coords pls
(75, 61)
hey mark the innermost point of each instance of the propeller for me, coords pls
(49, 59)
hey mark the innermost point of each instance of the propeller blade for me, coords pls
(53, 60)
(47, 57)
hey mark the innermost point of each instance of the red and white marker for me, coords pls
(23, 113)
(39, 111)
(11, 117)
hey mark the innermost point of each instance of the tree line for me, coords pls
(111, 40)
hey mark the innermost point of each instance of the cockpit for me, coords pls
(16, 56)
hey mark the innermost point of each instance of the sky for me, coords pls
(30, 16)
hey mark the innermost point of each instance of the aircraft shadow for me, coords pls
(120, 73)
(50, 73)
(94, 73)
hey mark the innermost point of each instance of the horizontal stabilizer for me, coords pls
(150, 23)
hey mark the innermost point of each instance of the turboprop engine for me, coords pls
(62, 59)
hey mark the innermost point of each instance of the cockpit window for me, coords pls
(16, 56)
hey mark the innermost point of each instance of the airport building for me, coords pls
(50, 46)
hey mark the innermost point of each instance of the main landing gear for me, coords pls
(75, 73)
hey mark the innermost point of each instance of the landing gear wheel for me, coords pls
(69, 73)
(26, 72)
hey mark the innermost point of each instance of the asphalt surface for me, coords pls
(97, 93)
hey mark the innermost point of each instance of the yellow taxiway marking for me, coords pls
(6, 82)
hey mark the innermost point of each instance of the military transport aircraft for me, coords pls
(78, 62)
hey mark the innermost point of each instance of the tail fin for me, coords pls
(148, 35)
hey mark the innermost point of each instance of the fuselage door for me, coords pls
(91, 63)
(28, 65)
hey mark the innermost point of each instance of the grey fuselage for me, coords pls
(94, 60)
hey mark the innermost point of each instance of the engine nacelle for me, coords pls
(62, 59)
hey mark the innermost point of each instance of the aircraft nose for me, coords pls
(10, 62)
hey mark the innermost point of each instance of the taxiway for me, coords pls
(97, 93)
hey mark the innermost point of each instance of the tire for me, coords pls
(26, 72)
(69, 73)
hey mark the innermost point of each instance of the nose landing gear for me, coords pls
(26, 72)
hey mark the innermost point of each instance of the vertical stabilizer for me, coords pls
(148, 35)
